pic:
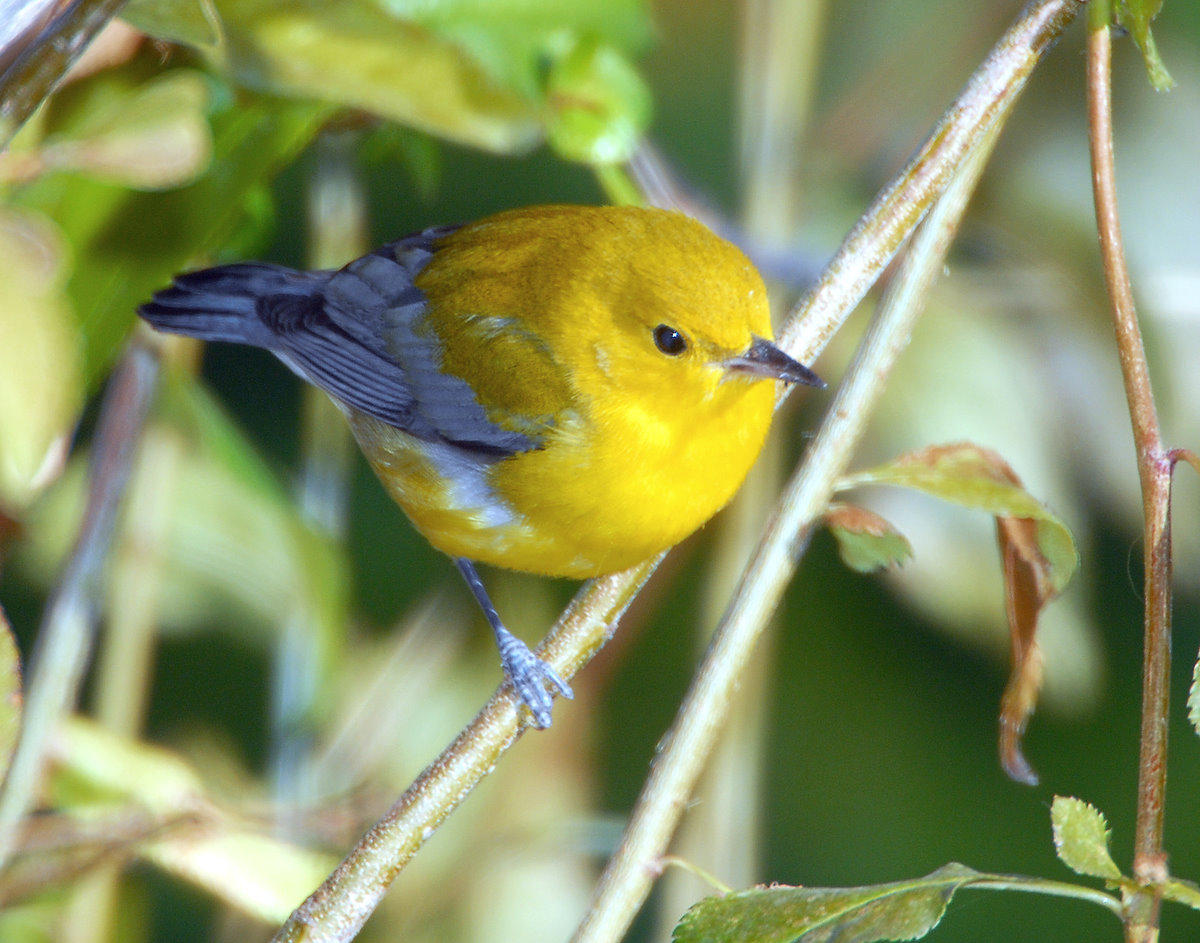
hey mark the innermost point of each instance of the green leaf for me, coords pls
(40, 363)
(1081, 838)
(509, 37)
(598, 104)
(903, 910)
(10, 695)
(973, 477)
(127, 244)
(178, 21)
(866, 541)
(459, 69)
(1036, 550)
(1136, 16)
(1182, 892)
(153, 137)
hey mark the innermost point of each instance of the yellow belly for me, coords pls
(581, 506)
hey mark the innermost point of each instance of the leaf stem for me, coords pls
(1015, 882)
(1154, 471)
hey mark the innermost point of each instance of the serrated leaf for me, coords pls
(1081, 838)
(1136, 16)
(10, 695)
(1036, 549)
(866, 542)
(903, 910)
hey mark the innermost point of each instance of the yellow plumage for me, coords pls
(548, 314)
(563, 390)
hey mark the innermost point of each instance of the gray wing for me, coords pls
(358, 338)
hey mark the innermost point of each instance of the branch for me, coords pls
(1154, 471)
(39, 61)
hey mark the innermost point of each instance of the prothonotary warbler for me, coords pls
(564, 390)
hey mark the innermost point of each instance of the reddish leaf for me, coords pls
(866, 541)
(1026, 590)
(1036, 550)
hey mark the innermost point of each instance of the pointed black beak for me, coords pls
(764, 359)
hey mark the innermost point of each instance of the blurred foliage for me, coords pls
(10, 692)
(194, 147)
(470, 72)
(39, 357)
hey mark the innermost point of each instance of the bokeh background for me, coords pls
(866, 747)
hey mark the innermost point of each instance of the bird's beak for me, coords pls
(764, 359)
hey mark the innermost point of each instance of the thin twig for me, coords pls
(68, 627)
(1186, 455)
(1154, 471)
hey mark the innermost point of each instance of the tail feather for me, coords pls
(221, 304)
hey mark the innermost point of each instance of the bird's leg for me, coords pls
(528, 674)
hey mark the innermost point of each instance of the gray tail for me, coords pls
(222, 304)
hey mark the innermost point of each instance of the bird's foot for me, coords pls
(534, 681)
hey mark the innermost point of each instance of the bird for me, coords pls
(561, 390)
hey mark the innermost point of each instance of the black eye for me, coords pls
(669, 340)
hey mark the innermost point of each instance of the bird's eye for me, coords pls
(669, 340)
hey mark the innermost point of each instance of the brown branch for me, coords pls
(1154, 471)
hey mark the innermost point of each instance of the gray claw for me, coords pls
(533, 680)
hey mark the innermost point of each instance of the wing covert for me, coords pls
(359, 338)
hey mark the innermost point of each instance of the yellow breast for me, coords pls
(549, 315)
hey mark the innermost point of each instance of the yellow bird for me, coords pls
(563, 390)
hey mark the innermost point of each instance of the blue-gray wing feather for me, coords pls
(356, 333)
